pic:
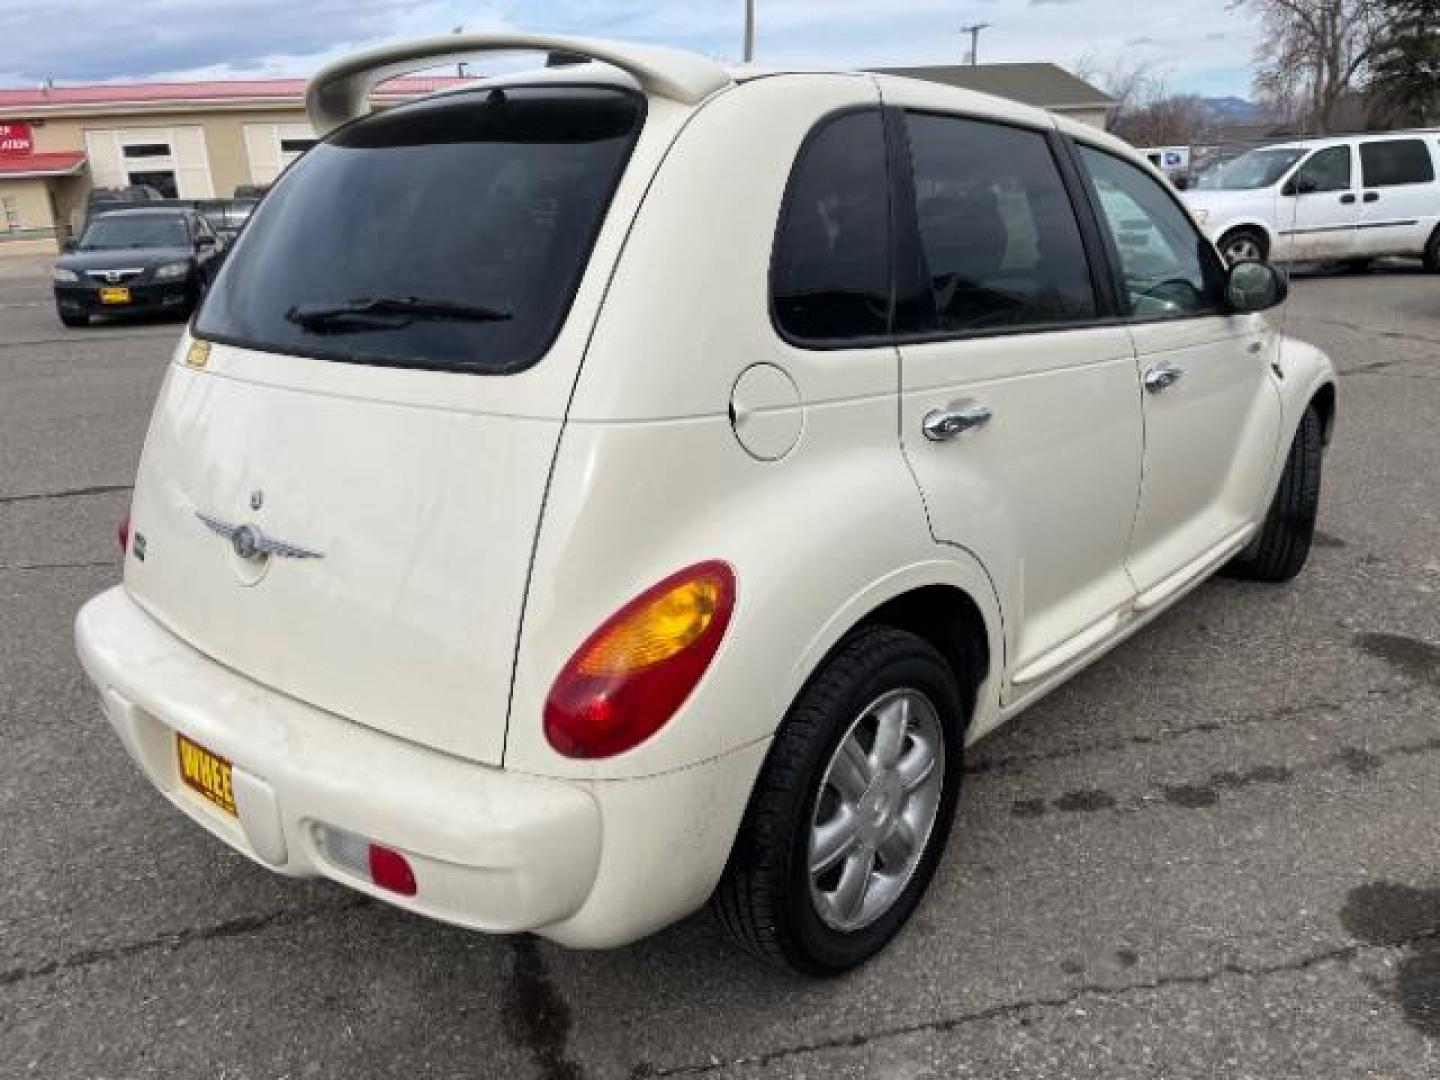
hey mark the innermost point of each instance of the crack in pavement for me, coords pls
(71, 493)
(1015, 762)
(1341, 954)
(175, 939)
(17, 567)
(1397, 335)
(88, 339)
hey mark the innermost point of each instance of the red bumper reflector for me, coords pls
(390, 871)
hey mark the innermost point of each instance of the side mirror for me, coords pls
(1303, 185)
(68, 246)
(205, 241)
(1182, 182)
(1251, 286)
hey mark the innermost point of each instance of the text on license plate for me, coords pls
(114, 296)
(207, 773)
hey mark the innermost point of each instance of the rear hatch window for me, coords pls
(448, 234)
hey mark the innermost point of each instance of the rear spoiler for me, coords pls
(341, 91)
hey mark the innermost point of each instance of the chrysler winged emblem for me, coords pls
(250, 542)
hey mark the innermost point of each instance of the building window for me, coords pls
(145, 150)
(296, 146)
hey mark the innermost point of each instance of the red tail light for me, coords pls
(634, 672)
(122, 533)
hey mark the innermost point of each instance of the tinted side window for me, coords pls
(1396, 161)
(1170, 270)
(830, 281)
(1000, 239)
(1327, 170)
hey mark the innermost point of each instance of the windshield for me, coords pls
(1256, 169)
(114, 231)
(448, 234)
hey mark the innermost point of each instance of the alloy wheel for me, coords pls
(876, 808)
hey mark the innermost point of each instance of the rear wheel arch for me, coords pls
(949, 619)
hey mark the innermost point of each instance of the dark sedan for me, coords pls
(132, 261)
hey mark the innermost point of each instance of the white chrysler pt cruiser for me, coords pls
(589, 494)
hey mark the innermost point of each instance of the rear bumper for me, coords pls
(491, 850)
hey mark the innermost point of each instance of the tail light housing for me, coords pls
(633, 673)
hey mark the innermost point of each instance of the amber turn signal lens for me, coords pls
(665, 626)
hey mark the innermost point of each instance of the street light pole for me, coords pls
(974, 31)
(749, 31)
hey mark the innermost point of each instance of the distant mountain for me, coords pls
(1232, 110)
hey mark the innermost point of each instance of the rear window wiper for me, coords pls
(388, 313)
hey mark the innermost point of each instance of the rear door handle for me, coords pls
(1158, 379)
(1372, 196)
(942, 425)
(1347, 199)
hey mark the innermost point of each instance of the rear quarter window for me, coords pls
(830, 273)
(1396, 161)
(447, 234)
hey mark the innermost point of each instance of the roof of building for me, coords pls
(62, 163)
(1046, 85)
(153, 94)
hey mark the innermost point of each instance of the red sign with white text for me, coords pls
(15, 139)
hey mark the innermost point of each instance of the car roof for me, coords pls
(150, 211)
(1342, 139)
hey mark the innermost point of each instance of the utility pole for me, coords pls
(749, 31)
(974, 31)
(460, 65)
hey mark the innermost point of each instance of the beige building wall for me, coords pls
(1094, 117)
(224, 133)
(26, 222)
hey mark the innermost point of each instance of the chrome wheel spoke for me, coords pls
(917, 765)
(891, 724)
(849, 895)
(897, 848)
(833, 840)
(850, 772)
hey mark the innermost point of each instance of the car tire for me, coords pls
(1432, 253)
(1281, 548)
(73, 321)
(768, 900)
(1243, 243)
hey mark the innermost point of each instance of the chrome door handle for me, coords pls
(1162, 378)
(941, 425)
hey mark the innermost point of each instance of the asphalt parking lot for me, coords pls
(1215, 854)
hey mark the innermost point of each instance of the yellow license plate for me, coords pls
(207, 773)
(114, 296)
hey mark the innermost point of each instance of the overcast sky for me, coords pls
(1200, 45)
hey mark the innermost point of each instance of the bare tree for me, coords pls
(1167, 120)
(1314, 52)
(1146, 113)
(1128, 82)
